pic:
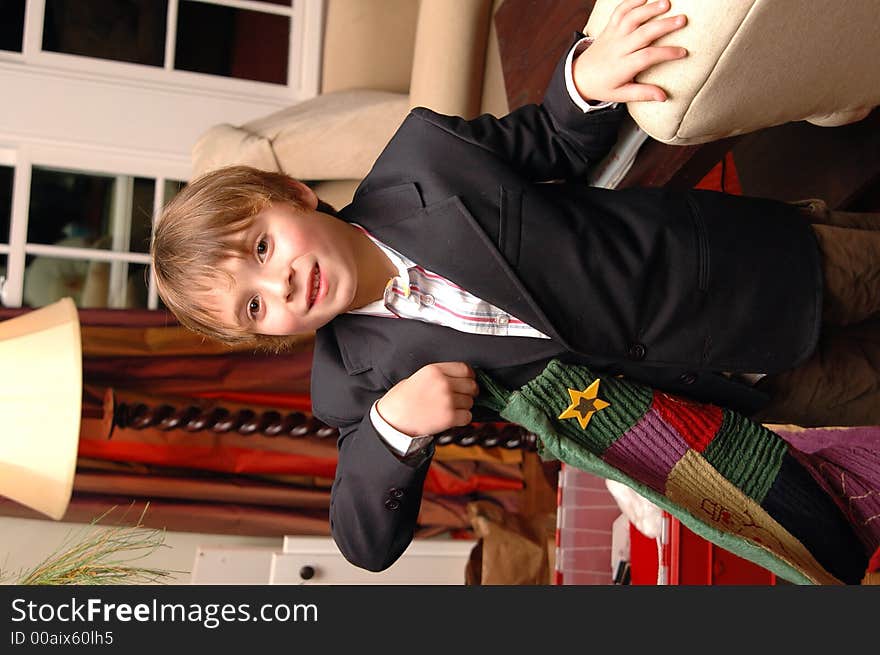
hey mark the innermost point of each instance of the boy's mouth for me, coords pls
(315, 287)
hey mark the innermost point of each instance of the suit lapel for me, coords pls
(446, 239)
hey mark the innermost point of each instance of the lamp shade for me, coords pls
(40, 406)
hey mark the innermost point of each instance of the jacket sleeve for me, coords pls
(554, 140)
(376, 494)
(375, 499)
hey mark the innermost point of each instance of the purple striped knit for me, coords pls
(648, 451)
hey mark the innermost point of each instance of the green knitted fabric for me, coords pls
(739, 445)
(630, 403)
(746, 453)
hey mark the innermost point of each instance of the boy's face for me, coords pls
(300, 273)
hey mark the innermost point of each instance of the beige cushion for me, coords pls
(368, 44)
(228, 145)
(494, 92)
(336, 193)
(450, 55)
(757, 63)
(330, 137)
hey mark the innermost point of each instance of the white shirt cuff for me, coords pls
(401, 443)
(576, 97)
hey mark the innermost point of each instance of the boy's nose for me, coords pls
(280, 285)
(287, 285)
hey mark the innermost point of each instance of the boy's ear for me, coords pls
(304, 194)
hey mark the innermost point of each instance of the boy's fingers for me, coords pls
(653, 30)
(639, 93)
(462, 417)
(647, 57)
(455, 369)
(622, 9)
(467, 386)
(639, 15)
(462, 401)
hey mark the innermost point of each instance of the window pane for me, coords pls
(171, 189)
(66, 205)
(88, 210)
(136, 287)
(47, 279)
(121, 30)
(3, 282)
(141, 215)
(6, 177)
(232, 42)
(89, 283)
(11, 24)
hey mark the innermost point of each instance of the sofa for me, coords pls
(380, 59)
(752, 64)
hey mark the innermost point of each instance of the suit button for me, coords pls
(687, 378)
(396, 493)
(636, 351)
(392, 504)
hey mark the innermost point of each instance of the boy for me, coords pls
(458, 252)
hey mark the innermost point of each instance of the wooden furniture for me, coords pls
(246, 422)
(786, 162)
(531, 39)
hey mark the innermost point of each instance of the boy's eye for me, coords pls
(262, 248)
(253, 307)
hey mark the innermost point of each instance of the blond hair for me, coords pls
(199, 229)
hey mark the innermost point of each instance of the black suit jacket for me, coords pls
(669, 288)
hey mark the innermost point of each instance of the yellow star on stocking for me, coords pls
(584, 404)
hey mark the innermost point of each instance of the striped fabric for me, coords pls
(729, 479)
(419, 294)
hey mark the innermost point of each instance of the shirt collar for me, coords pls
(401, 263)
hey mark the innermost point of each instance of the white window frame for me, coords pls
(23, 159)
(303, 65)
(25, 143)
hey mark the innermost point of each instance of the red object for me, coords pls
(874, 563)
(696, 423)
(643, 558)
(723, 177)
(684, 558)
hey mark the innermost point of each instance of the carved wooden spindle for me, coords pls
(179, 418)
(246, 422)
(271, 423)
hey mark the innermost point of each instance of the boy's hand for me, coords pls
(433, 399)
(605, 71)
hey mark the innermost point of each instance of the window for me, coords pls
(201, 25)
(11, 24)
(108, 97)
(250, 41)
(80, 234)
(6, 179)
(119, 30)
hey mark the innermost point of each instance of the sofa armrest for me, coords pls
(753, 64)
(368, 44)
(450, 56)
(334, 136)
